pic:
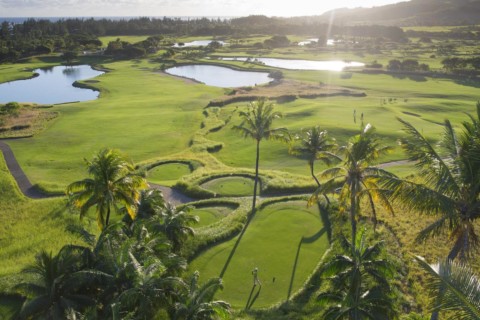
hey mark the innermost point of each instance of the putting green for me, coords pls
(230, 186)
(168, 174)
(284, 240)
(209, 215)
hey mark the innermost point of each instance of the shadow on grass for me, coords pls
(303, 240)
(251, 300)
(249, 219)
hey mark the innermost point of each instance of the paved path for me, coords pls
(170, 195)
(23, 183)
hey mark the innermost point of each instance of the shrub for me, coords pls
(10, 109)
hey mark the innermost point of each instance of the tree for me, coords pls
(451, 183)
(57, 284)
(197, 302)
(113, 182)
(176, 225)
(455, 288)
(69, 56)
(257, 124)
(357, 178)
(359, 282)
(315, 145)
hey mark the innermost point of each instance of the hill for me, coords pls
(411, 13)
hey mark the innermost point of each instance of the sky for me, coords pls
(207, 8)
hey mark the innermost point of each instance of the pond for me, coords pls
(53, 85)
(197, 43)
(328, 65)
(220, 76)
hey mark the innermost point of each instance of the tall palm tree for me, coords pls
(455, 287)
(113, 182)
(315, 145)
(257, 124)
(360, 287)
(58, 282)
(357, 177)
(451, 183)
(176, 225)
(197, 302)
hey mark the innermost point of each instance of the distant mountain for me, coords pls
(411, 13)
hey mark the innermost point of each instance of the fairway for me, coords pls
(284, 240)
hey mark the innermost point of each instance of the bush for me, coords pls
(10, 109)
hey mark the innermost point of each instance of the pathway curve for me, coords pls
(18, 174)
(170, 195)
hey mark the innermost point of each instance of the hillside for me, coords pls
(411, 13)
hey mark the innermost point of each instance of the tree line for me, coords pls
(42, 36)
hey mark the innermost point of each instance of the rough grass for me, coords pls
(27, 227)
(284, 240)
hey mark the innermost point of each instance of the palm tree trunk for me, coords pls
(312, 172)
(256, 179)
(108, 217)
(353, 205)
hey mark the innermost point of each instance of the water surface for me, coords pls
(220, 76)
(53, 85)
(330, 65)
(197, 43)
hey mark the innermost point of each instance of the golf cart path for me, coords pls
(171, 195)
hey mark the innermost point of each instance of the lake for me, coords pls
(327, 65)
(197, 43)
(53, 85)
(220, 76)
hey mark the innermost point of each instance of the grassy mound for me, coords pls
(284, 240)
(209, 215)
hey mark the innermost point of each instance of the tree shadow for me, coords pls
(468, 83)
(249, 219)
(251, 300)
(303, 240)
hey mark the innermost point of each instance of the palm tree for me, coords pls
(176, 225)
(315, 145)
(451, 188)
(197, 302)
(113, 181)
(257, 124)
(58, 283)
(357, 178)
(360, 286)
(455, 287)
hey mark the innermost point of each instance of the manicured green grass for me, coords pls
(168, 174)
(230, 186)
(285, 241)
(143, 113)
(209, 215)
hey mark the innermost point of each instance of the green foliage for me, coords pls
(11, 109)
(451, 183)
(360, 282)
(113, 181)
(455, 287)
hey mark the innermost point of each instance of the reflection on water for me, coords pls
(197, 43)
(333, 65)
(53, 85)
(220, 76)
